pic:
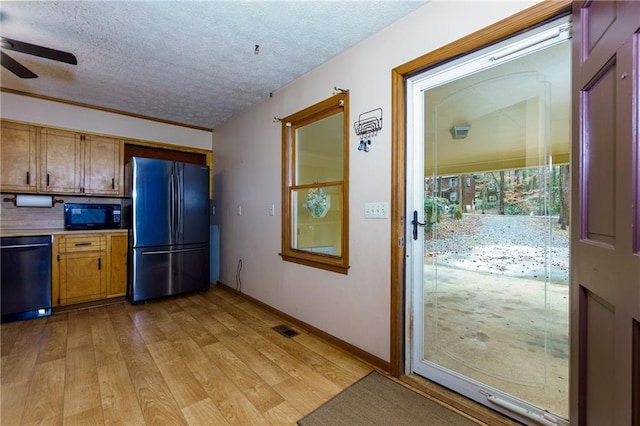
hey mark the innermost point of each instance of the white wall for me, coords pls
(247, 165)
(56, 114)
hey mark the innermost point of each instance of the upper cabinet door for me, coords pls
(103, 159)
(18, 158)
(60, 161)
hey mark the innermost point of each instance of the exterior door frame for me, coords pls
(502, 29)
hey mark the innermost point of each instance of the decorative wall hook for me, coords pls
(367, 126)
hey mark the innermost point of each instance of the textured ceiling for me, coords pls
(190, 62)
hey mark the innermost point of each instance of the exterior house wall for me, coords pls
(247, 152)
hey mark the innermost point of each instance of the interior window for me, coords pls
(315, 183)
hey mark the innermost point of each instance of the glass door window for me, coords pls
(490, 137)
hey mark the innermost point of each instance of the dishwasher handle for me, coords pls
(17, 246)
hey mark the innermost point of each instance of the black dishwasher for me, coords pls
(25, 277)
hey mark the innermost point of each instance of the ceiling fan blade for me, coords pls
(43, 52)
(15, 67)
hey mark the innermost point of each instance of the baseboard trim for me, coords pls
(348, 347)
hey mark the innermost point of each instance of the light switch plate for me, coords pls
(376, 210)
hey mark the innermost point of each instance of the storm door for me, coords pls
(488, 224)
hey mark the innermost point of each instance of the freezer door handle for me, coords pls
(17, 246)
(149, 253)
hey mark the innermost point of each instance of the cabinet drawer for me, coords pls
(82, 244)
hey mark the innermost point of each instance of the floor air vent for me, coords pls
(285, 330)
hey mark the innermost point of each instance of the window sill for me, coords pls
(321, 262)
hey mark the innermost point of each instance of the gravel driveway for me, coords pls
(531, 246)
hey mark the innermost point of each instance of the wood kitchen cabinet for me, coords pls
(118, 245)
(18, 157)
(72, 163)
(82, 269)
(103, 165)
(60, 167)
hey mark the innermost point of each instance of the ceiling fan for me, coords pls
(31, 49)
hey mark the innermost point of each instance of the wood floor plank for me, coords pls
(91, 416)
(119, 402)
(105, 343)
(82, 388)
(9, 334)
(79, 329)
(171, 330)
(204, 412)
(337, 356)
(156, 400)
(300, 395)
(185, 388)
(276, 351)
(258, 363)
(283, 414)
(154, 396)
(261, 395)
(232, 403)
(46, 393)
(146, 323)
(210, 323)
(14, 398)
(54, 341)
(195, 330)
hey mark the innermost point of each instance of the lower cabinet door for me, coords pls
(83, 277)
(118, 247)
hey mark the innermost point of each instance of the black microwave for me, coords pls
(92, 216)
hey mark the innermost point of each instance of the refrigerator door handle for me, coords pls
(179, 206)
(172, 219)
(150, 253)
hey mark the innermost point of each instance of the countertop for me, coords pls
(56, 231)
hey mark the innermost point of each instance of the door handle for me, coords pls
(415, 224)
(150, 253)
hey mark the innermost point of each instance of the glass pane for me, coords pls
(496, 240)
(319, 151)
(317, 219)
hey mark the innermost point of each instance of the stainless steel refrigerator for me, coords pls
(167, 213)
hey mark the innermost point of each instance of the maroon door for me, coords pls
(605, 274)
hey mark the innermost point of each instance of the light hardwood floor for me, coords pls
(202, 359)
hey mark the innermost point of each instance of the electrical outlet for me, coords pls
(376, 210)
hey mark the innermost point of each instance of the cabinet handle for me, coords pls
(113, 183)
(48, 179)
(99, 263)
(28, 178)
(83, 244)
